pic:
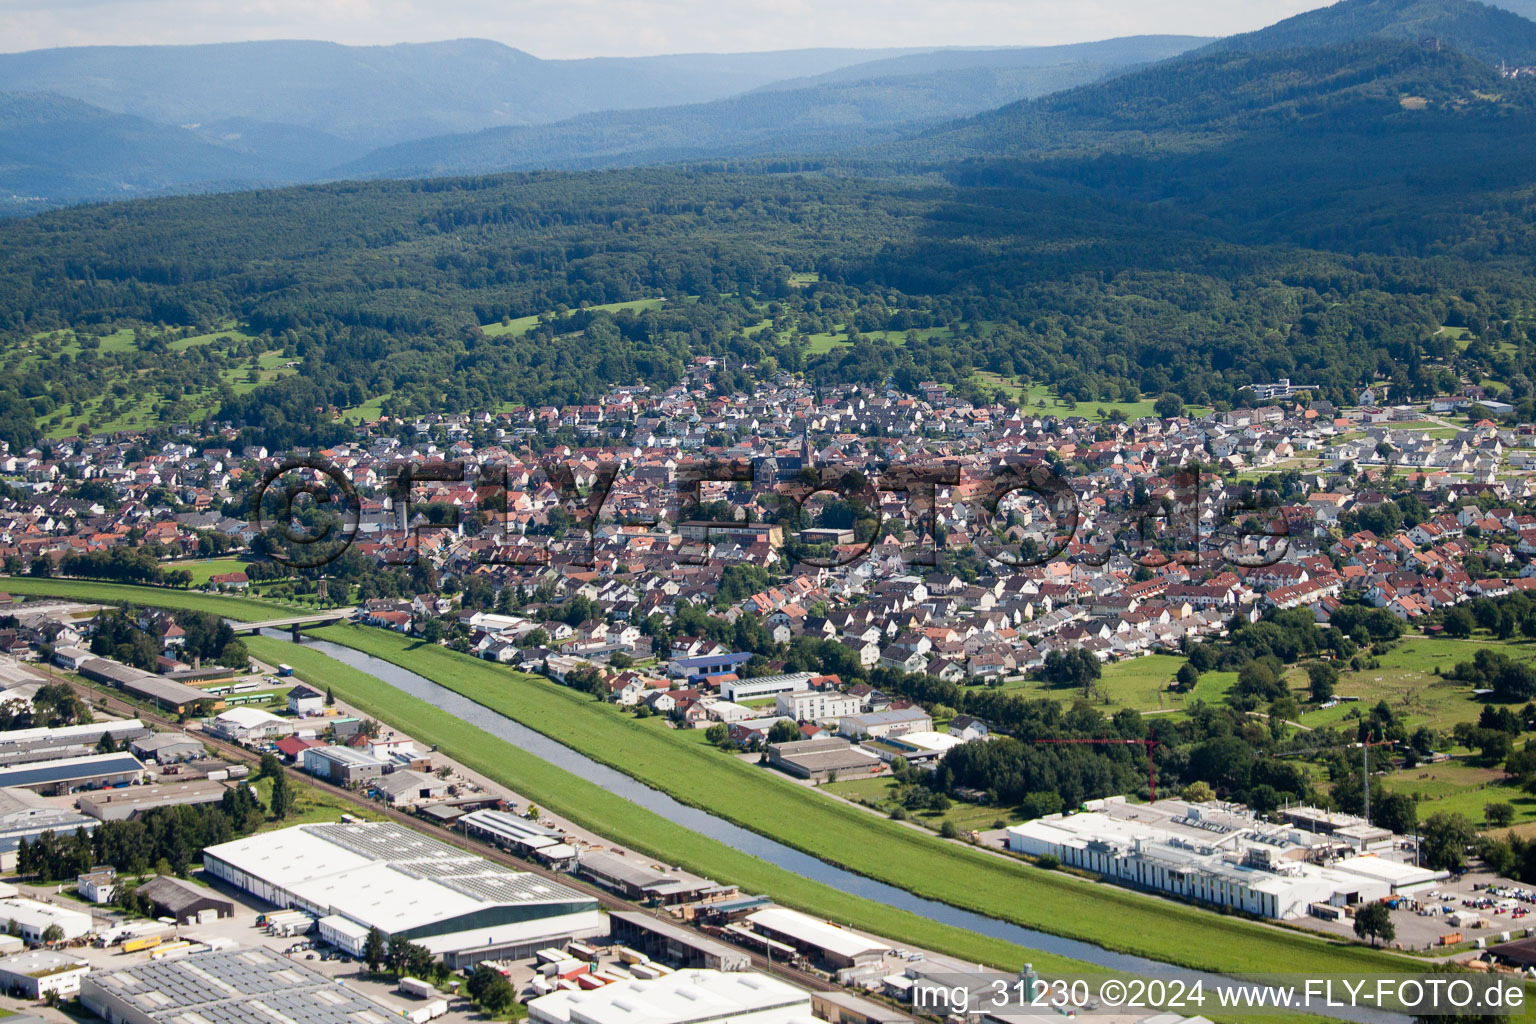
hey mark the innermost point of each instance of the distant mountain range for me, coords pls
(251, 114)
(96, 123)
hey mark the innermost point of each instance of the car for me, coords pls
(309, 956)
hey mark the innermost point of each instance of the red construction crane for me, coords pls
(1151, 767)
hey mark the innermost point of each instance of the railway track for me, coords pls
(605, 898)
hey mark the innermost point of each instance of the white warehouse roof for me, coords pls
(682, 997)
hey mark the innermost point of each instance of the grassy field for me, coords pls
(520, 326)
(240, 608)
(1460, 788)
(632, 826)
(1406, 680)
(311, 806)
(1140, 684)
(683, 764)
(880, 794)
(203, 568)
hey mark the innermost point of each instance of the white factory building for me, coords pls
(32, 918)
(353, 877)
(1215, 855)
(683, 997)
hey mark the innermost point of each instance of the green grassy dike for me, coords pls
(244, 609)
(593, 807)
(685, 766)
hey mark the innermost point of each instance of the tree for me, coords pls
(1499, 815)
(373, 949)
(1323, 677)
(719, 734)
(784, 731)
(282, 796)
(53, 933)
(1374, 921)
(432, 630)
(1444, 837)
(491, 990)
(1459, 622)
(949, 830)
(1168, 406)
(330, 697)
(1396, 812)
(1197, 792)
(1187, 677)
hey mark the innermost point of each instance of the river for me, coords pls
(750, 842)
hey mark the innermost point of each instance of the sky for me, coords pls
(626, 28)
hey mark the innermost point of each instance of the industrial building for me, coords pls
(32, 918)
(185, 902)
(816, 705)
(639, 879)
(684, 997)
(520, 836)
(833, 946)
(342, 765)
(25, 746)
(25, 815)
(821, 757)
(233, 986)
(167, 748)
(1215, 854)
(249, 725)
(39, 972)
(127, 804)
(167, 695)
(738, 690)
(662, 939)
(880, 724)
(381, 875)
(72, 774)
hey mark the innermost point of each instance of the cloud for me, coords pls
(583, 28)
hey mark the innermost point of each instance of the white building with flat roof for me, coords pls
(38, 972)
(1239, 862)
(32, 918)
(691, 996)
(353, 877)
(737, 690)
(816, 705)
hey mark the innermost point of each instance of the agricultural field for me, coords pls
(683, 764)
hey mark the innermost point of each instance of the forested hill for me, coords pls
(1489, 33)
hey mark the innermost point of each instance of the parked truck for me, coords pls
(418, 988)
(141, 943)
(427, 1011)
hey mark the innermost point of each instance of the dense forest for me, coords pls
(1223, 218)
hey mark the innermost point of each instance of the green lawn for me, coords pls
(682, 763)
(1140, 684)
(311, 806)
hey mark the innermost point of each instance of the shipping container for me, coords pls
(630, 956)
(417, 987)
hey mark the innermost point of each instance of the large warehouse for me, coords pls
(235, 986)
(684, 997)
(381, 875)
